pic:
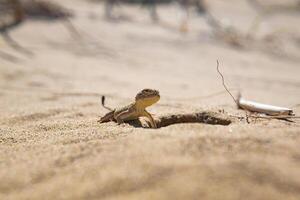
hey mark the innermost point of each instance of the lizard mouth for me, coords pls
(147, 94)
(154, 98)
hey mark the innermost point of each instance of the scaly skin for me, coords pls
(143, 99)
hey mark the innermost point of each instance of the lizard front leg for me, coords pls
(149, 116)
(123, 116)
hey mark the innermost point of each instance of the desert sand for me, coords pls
(51, 146)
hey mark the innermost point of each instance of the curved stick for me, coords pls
(199, 117)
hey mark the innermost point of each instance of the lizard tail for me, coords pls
(106, 118)
(109, 116)
(103, 103)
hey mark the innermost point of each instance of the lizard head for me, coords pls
(147, 97)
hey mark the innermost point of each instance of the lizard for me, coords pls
(143, 99)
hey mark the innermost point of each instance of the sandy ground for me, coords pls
(51, 146)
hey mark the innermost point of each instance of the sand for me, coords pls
(51, 146)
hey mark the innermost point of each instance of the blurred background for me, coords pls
(124, 43)
(170, 44)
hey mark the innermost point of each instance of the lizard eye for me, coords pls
(146, 90)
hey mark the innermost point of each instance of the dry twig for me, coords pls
(224, 85)
(254, 107)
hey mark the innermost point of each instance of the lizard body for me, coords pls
(143, 99)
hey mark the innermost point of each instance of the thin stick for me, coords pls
(8, 57)
(277, 117)
(15, 45)
(223, 82)
(71, 27)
